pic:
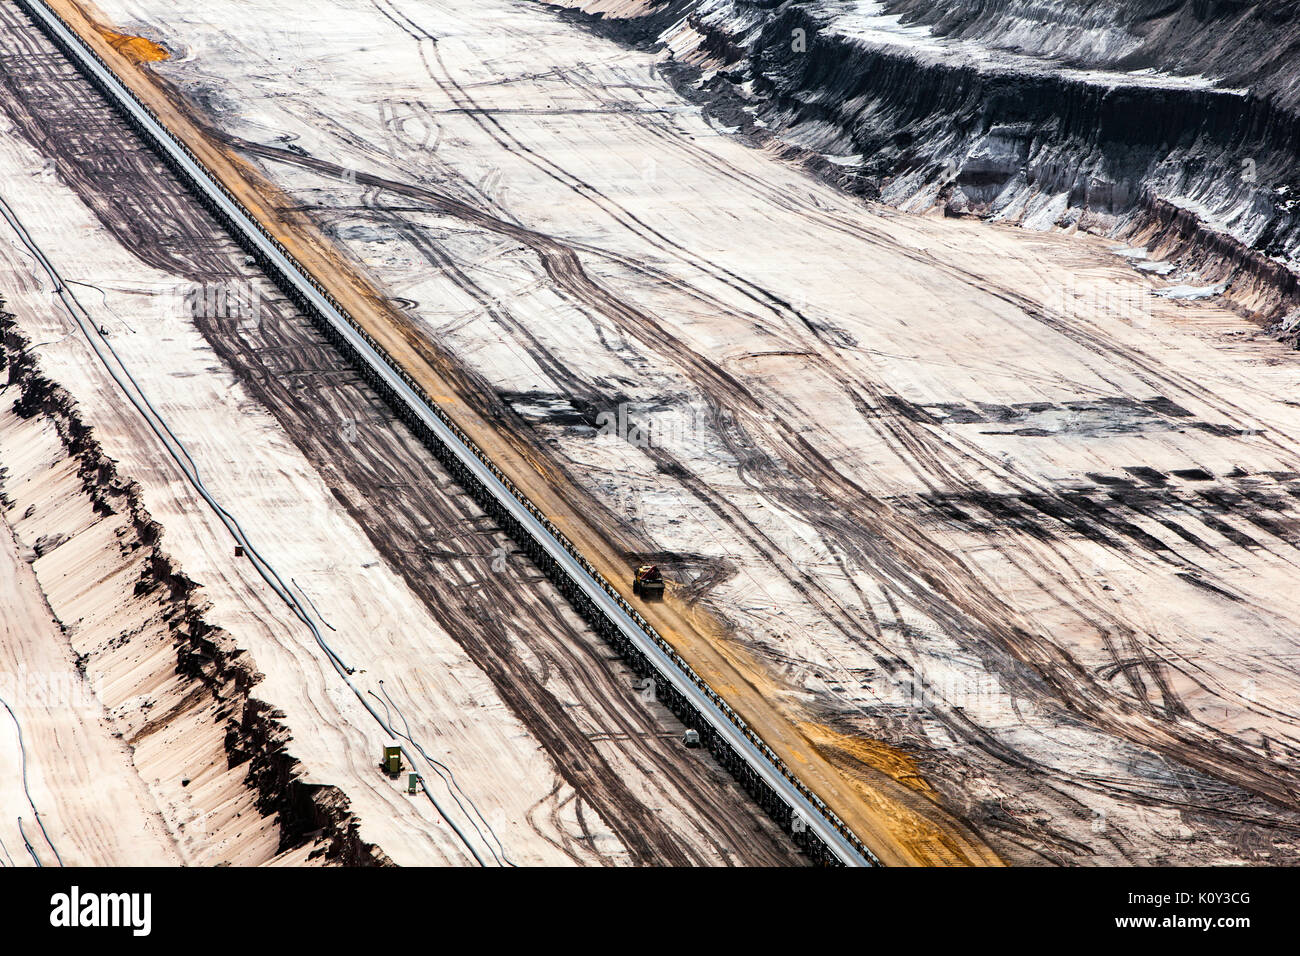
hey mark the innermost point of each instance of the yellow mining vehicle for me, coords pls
(648, 583)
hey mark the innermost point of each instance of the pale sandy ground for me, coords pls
(383, 631)
(94, 806)
(128, 763)
(1083, 700)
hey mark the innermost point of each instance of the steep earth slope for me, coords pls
(1175, 126)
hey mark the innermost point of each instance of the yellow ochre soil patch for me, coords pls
(135, 49)
(872, 753)
(890, 784)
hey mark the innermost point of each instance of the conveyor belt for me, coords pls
(822, 834)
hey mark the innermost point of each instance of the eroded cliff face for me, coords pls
(1174, 126)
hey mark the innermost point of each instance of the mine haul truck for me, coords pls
(648, 581)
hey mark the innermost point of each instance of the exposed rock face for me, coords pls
(1172, 124)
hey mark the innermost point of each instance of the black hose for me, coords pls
(22, 751)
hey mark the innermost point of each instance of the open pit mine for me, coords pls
(649, 433)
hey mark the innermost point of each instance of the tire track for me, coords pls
(294, 374)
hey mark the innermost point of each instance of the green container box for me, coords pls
(393, 761)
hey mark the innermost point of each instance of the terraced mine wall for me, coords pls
(213, 696)
(1246, 42)
(1209, 173)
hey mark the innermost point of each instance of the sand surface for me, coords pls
(303, 513)
(80, 779)
(991, 539)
